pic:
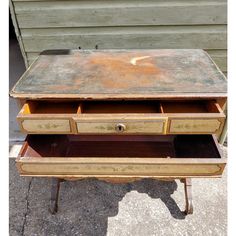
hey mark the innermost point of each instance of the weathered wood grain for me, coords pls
(121, 73)
(73, 24)
(18, 32)
(37, 40)
(52, 14)
(218, 56)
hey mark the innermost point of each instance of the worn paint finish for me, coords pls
(112, 72)
(194, 125)
(218, 56)
(166, 169)
(49, 126)
(131, 126)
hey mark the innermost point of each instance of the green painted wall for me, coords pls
(103, 24)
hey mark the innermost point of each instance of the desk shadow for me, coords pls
(92, 202)
(163, 190)
(86, 205)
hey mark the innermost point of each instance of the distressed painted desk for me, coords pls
(121, 115)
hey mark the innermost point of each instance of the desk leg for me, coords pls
(55, 188)
(188, 195)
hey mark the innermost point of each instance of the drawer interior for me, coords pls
(197, 106)
(50, 107)
(120, 107)
(190, 107)
(169, 146)
(108, 107)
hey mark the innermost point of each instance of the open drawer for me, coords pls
(48, 117)
(115, 156)
(122, 117)
(193, 117)
(150, 117)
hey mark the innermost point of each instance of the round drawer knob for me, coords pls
(120, 127)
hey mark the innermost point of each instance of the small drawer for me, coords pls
(150, 117)
(193, 117)
(120, 117)
(121, 125)
(113, 156)
(47, 117)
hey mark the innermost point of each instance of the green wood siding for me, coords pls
(116, 24)
(118, 13)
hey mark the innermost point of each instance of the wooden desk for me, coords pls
(121, 115)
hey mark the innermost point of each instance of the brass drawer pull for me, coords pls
(120, 127)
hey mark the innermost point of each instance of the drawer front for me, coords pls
(46, 126)
(122, 127)
(129, 117)
(114, 156)
(141, 167)
(192, 125)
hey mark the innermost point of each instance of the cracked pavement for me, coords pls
(92, 207)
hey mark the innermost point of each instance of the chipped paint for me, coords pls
(134, 60)
(96, 73)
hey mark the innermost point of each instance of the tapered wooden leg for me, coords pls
(188, 195)
(55, 188)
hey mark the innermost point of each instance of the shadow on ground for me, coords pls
(86, 205)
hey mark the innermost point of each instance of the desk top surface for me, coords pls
(121, 74)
